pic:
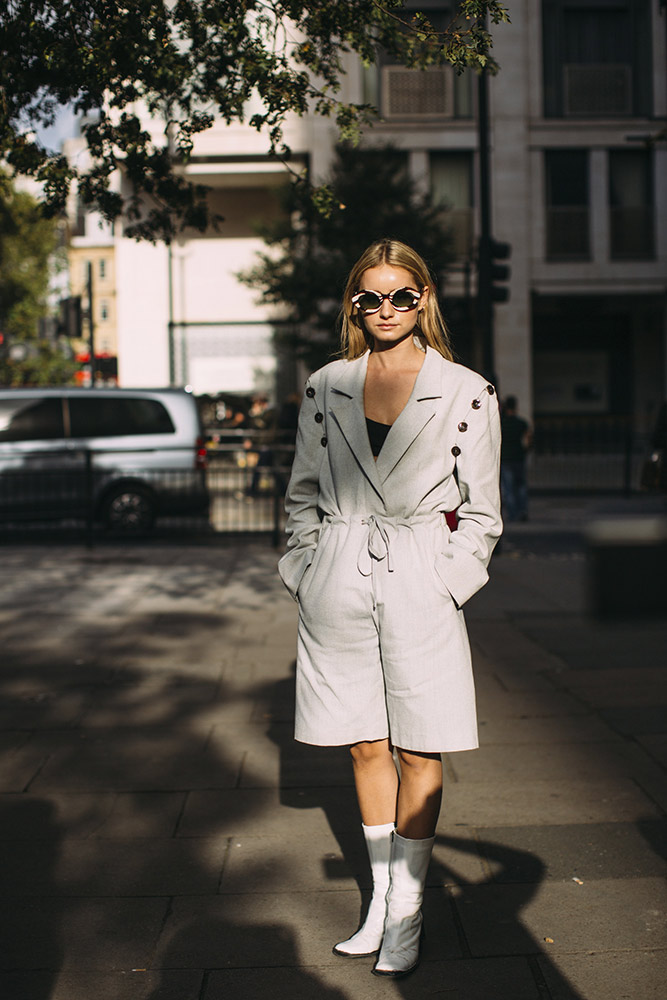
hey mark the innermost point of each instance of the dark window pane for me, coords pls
(567, 204)
(597, 58)
(24, 419)
(631, 204)
(109, 417)
(567, 177)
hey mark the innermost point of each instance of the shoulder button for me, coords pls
(456, 451)
(476, 403)
(323, 442)
(463, 427)
(491, 391)
(319, 417)
(310, 391)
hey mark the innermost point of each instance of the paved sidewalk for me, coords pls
(163, 837)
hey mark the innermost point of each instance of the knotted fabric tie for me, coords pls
(375, 548)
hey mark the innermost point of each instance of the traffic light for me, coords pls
(70, 317)
(500, 273)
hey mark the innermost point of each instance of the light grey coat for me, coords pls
(380, 579)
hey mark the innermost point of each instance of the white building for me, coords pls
(577, 190)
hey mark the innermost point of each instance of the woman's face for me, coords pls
(389, 326)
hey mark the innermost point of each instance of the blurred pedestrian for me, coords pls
(390, 437)
(516, 440)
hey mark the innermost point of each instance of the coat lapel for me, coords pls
(346, 401)
(420, 408)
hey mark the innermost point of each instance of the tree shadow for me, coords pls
(112, 719)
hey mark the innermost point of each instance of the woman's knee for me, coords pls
(370, 752)
(418, 763)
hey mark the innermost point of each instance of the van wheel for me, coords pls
(130, 510)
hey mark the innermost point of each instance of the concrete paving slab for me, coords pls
(284, 812)
(504, 762)
(148, 701)
(527, 704)
(281, 929)
(112, 868)
(656, 745)
(268, 864)
(39, 706)
(547, 803)
(296, 764)
(103, 934)
(589, 851)
(548, 731)
(584, 644)
(637, 720)
(458, 979)
(130, 984)
(636, 975)
(511, 919)
(19, 767)
(165, 762)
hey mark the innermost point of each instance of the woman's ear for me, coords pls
(424, 298)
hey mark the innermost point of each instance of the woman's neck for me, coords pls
(394, 356)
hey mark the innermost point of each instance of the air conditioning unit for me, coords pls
(597, 89)
(417, 93)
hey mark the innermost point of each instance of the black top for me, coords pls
(377, 433)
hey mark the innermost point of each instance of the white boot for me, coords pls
(402, 930)
(368, 938)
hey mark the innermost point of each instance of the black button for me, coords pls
(323, 442)
(463, 426)
(456, 451)
(476, 404)
(319, 417)
(310, 391)
(491, 391)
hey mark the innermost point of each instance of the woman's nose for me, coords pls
(387, 310)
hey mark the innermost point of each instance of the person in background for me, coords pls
(516, 441)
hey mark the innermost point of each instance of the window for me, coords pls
(451, 186)
(107, 416)
(567, 204)
(104, 311)
(102, 269)
(33, 419)
(422, 95)
(596, 58)
(630, 204)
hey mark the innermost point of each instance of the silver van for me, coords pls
(120, 456)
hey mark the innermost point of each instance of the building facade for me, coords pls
(578, 189)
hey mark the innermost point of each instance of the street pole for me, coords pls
(484, 261)
(91, 325)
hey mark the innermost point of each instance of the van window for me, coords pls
(26, 419)
(109, 417)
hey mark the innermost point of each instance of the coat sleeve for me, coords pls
(301, 498)
(463, 564)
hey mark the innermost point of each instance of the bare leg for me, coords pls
(420, 794)
(376, 781)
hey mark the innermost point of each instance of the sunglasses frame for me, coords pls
(390, 295)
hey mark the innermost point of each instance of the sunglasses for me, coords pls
(402, 299)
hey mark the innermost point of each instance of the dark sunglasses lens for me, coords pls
(369, 301)
(404, 299)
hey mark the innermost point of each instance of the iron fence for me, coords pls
(242, 491)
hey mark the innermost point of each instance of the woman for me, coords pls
(391, 437)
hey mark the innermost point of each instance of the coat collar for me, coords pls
(347, 405)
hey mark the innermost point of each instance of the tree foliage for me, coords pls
(190, 63)
(310, 253)
(28, 243)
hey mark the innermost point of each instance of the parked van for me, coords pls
(124, 456)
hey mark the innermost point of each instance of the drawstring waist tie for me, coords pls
(376, 544)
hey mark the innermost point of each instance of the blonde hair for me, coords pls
(431, 328)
